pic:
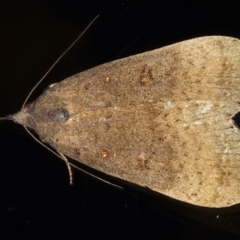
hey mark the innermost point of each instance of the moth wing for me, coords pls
(161, 119)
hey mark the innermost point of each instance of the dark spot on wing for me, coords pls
(59, 115)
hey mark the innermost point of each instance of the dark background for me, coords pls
(35, 196)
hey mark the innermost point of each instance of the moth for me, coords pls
(164, 119)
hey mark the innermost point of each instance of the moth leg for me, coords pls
(68, 167)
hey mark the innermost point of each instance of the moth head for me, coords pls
(33, 116)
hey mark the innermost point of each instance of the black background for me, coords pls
(35, 196)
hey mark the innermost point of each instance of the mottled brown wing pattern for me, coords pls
(161, 119)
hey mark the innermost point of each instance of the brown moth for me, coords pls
(164, 119)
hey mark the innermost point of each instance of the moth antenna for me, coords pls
(62, 157)
(58, 154)
(42, 144)
(94, 176)
(54, 64)
(130, 44)
(68, 167)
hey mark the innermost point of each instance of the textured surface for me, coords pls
(161, 119)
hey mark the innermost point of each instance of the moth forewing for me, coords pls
(161, 119)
